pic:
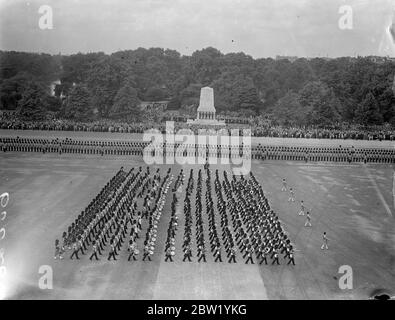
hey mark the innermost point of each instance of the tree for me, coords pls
(320, 104)
(104, 81)
(44, 67)
(76, 68)
(78, 105)
(126, 104)
(248, 98)
(53, 104)
(174, 104)
(206, 65)
(156, 94)
(289, 111)
(386, 102)
(368, 112)
(11, 89)
(190, 95)
(235, 92)
(32, 105)
(329, 90)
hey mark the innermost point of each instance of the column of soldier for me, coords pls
(289, 153)
(257, 227)
(199, 229)
(76, 231)
(201, 248)
(246, 221)
(188, 226)
(173, 223)
(108, 216)
(186, 245)
(215, 244)
(227, 236)
(153, 216)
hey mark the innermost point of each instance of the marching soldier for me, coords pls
(217, 254)
(94, 254)
(284, 187)
(81, 244)
(169, 254)
(292, 195)
(112, 251)
(146, 253)
(264, 256)
(232, 255)
(291, 258)
(58, 253)
(301, 212)
(308, 220)
(202, 253)
(249, 255)
(187, 253)
(275, 258)
(133, 250)
(75, 251)
(324, 242)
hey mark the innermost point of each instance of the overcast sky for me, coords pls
(260, 28)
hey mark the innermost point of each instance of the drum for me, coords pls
(136, 251)
(172, 253)
(151, 252)
(152, 248)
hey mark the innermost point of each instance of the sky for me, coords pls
(260, 28)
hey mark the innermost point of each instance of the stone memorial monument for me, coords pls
(206, 109)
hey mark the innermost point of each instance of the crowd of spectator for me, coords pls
(325, 133)
(257, 130)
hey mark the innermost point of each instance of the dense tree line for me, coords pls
(304, 92)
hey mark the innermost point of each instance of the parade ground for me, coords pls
(353, 204)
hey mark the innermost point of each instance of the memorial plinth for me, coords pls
(206, 109)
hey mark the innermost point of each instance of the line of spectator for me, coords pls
(357, 133)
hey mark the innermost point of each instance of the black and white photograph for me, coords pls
(215, 151)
